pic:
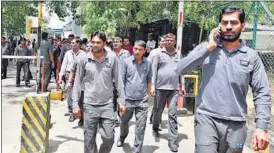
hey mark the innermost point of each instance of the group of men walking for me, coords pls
(107, 83)
(229, 67)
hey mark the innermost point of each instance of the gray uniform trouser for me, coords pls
(214, 135)
(172, 97)
(48, 70)
(103, 116)
(69, 92)
(141, 118)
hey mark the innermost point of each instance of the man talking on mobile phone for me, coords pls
(229, 68)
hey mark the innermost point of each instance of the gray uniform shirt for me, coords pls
(164, 75)
(69, 60)
(5, 49)
(46, 48)
(225, 81)
(22, 51)
(97, 79)
(136, 78)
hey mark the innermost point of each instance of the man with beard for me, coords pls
(121, 54)
(136, 77)
(229, 67)
(95, 74)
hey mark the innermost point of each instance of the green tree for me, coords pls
(14, 16)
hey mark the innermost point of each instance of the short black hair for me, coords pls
(99, 34)
(126, 37)
(23, 39)
(85, 40)
(140, 43)
(71, 36)
(77, 40)
(233, 9)
(44, 35)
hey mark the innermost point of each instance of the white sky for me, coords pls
(54, 21)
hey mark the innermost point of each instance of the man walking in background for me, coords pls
(67, 66)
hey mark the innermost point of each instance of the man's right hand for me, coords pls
(76, 112)
(212, 43)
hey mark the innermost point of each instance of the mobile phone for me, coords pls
(216, 38)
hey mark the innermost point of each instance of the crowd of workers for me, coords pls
(109, 81)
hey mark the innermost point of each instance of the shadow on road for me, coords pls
(146, 148)
(54, 144)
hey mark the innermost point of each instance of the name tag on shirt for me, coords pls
(244, 63)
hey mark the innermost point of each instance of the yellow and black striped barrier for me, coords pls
(35, 123)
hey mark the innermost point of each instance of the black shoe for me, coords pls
(160, 128)
(173, 147)
(18, 85)
(80, 123)
(67, 114)
(28, 86)
(156, 133)
(71, 119)
(120, 142)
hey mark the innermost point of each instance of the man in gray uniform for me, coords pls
(166, 82)
(121, 54)
(67, 66)
(71, 79)
(96, 72)
(46, 50)
(22, 50)
(136, 77)
(229, 67)
(5, 50)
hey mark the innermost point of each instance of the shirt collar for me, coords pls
(91, 57)
(242, 48)
(165, 51)
(133, 59)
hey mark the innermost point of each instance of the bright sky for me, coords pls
(54, 21)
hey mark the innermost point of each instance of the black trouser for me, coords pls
(54, 70)
(25, 65)
(4, 67)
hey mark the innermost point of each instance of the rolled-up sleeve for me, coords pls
(261, 94)
(77, 87)
(116, 71)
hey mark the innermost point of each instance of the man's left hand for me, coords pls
(259, 140)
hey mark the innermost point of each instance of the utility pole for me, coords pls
(180, 28)
(38, 67)
(255, 24)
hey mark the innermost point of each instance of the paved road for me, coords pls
(66, 137)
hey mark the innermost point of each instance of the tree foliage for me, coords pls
(14, 16)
